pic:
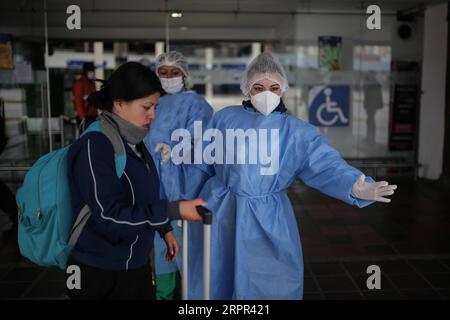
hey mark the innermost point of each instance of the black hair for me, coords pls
(88, 66)
(130, 81)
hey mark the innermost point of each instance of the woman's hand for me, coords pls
(373, 191)
(188, 210)
(171, 245)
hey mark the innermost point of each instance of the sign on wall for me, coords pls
(329, 106)
(402, 128)
(330, 53)
(78, 64)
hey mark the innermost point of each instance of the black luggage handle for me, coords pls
(205, 213)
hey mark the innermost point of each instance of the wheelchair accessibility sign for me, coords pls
(329, 106)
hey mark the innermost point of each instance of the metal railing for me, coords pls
(359, 163)
(36, 126)
(375, 164)
(9, 168)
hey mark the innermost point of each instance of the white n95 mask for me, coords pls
(172, 85)
(265, 102)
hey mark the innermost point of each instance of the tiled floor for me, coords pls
(23, 280)
(408, 239)
(400, 279)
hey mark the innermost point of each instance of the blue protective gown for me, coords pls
(177, 181)
(256, 251)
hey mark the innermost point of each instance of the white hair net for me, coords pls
(264, 66)
(172, 58)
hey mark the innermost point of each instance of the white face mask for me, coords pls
(91, 75)
(265, 102)
(172, 85)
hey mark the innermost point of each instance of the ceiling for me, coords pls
(202, 19)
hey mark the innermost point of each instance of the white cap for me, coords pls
(264, 66)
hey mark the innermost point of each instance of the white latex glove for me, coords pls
(372, 191)
(164, 150)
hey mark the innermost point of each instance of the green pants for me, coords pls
(168, 286)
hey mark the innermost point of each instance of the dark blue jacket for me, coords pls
(125, 212)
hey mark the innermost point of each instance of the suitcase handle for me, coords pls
(205, 213)
(207, 221)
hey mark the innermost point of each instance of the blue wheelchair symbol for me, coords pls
(329, 106)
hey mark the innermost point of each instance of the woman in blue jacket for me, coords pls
(113, 249)
(178, 109)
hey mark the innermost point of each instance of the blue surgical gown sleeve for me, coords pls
(323, 168)
(199, 145)
(200, 111)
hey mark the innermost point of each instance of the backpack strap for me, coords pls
(120, 159)
(79, 224)
(120, 155)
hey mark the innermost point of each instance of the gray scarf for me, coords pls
(127, 130)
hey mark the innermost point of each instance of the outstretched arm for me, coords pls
(324, 169)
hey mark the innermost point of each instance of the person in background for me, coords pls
(178, 109)
(81, 89)
(373, 101)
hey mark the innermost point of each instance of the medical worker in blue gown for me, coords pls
(256, 249)
(176, 110)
